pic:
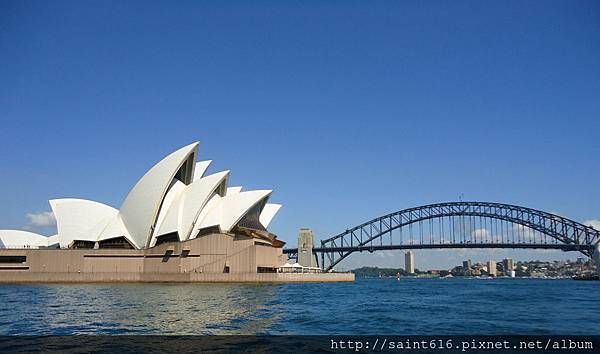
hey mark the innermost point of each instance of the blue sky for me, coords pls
(348, 110)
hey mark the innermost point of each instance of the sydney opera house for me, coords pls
(176, 224)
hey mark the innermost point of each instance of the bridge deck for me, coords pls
(563, 247)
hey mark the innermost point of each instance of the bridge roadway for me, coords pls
(553, 246)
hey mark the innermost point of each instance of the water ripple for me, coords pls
(368, 306)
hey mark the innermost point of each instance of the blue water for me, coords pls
(367, 306)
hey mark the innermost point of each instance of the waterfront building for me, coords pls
(491, 268)
(306, 243)
(409, 262)
(467, 265)
(176, 224)
(508, 265)
(173, 201)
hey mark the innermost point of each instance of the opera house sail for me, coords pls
(176, 224)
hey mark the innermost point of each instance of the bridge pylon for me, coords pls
(306, 243)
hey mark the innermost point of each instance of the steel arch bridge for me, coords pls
(458, 225)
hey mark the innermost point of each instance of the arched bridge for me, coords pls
(458, 225)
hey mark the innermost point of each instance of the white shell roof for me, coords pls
(184, 211)
(229, 210)
(141, 207)
(234, 190)
(210, 215)
(200, 169)
(75, 218)
(112, 228)
(171, 200)
(168, 198)
(23, 239)
(195, 198)
(268, 213)
(52, 240)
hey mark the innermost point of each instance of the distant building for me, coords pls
(409, 262)
(491, 267)
(467, 265)
(508, 265)
(306, 243)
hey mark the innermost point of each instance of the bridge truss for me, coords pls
(458, 225)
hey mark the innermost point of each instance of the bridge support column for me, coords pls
(306, 243)
(596, 256)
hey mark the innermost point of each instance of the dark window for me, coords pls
(266, 270)
(251, 219)
(208, 230)
(55, 245)
(13, 259)
(172, 237)
(82, 244)
(184, 173)
(167, 255)
(226, 269)
(116, 242)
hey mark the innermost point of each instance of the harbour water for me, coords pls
(367, 306)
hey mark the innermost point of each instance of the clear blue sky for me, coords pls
(347, 109)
